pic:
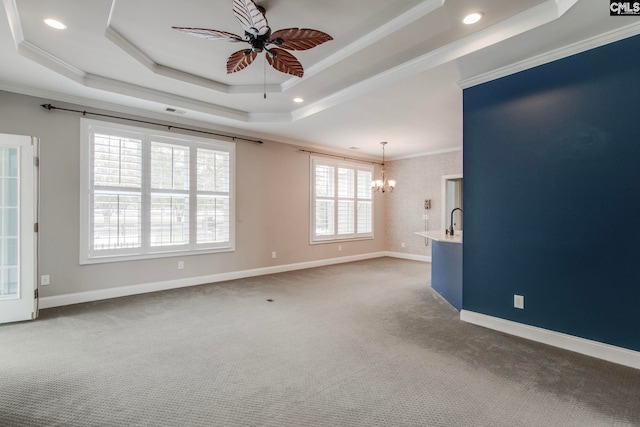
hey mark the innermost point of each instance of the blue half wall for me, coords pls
(552, 195)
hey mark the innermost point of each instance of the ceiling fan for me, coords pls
(259, 36)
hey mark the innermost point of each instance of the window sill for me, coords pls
(340, 240)
(154, 255)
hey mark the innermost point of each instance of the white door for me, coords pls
(18, 216)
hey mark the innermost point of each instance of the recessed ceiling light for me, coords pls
(298, 100)
(472, 18)
(55, 24)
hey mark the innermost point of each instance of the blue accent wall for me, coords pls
(552, 195)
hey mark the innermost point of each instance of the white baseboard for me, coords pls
(422, 258)
(123, 291)
(584, 346)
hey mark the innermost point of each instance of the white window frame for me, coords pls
(88, 128)
(343, 164)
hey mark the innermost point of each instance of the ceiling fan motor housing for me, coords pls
(256, 40)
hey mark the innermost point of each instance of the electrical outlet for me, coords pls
(402, 244)
(180, 265)
(339, 248)
(274, 255)
(518, 301)
(427, 203)
(45, 280)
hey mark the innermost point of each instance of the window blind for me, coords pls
(342, 203)
(147, 194)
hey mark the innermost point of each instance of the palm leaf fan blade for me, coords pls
(300, 38)
(240, 60)
(250, 17)
(285, 62)
(206, 33)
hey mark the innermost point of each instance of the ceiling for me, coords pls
(394, 71)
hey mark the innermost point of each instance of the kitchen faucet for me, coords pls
(450, 230)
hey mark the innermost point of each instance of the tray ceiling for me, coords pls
(390, 73)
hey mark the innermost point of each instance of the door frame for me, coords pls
(445, 214)
(25, 307)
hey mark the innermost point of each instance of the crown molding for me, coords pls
(33, 52)
(426, 154)
(14, 21)
(270, 118)
(126, 46)
(410, 16)
(517, 24)
(57, 65)
(52, 62)
(424, 8)
(132, 111)
(128, 89)
(557, 54)
(527, 20)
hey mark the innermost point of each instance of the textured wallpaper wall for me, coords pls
(418, 179)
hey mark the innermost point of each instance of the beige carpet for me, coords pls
(359, 344)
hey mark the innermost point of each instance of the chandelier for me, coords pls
(383, 185)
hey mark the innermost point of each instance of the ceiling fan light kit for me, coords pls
(258, 35)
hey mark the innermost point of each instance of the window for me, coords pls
(341, 201)
(146, 194)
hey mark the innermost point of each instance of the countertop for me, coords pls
(441, 236)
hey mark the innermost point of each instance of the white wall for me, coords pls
(272, 209)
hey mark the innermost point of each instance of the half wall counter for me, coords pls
(446, 265)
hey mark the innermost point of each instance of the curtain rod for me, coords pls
(341, 157)
(169, 127)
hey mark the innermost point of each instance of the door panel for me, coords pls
(18, 243)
